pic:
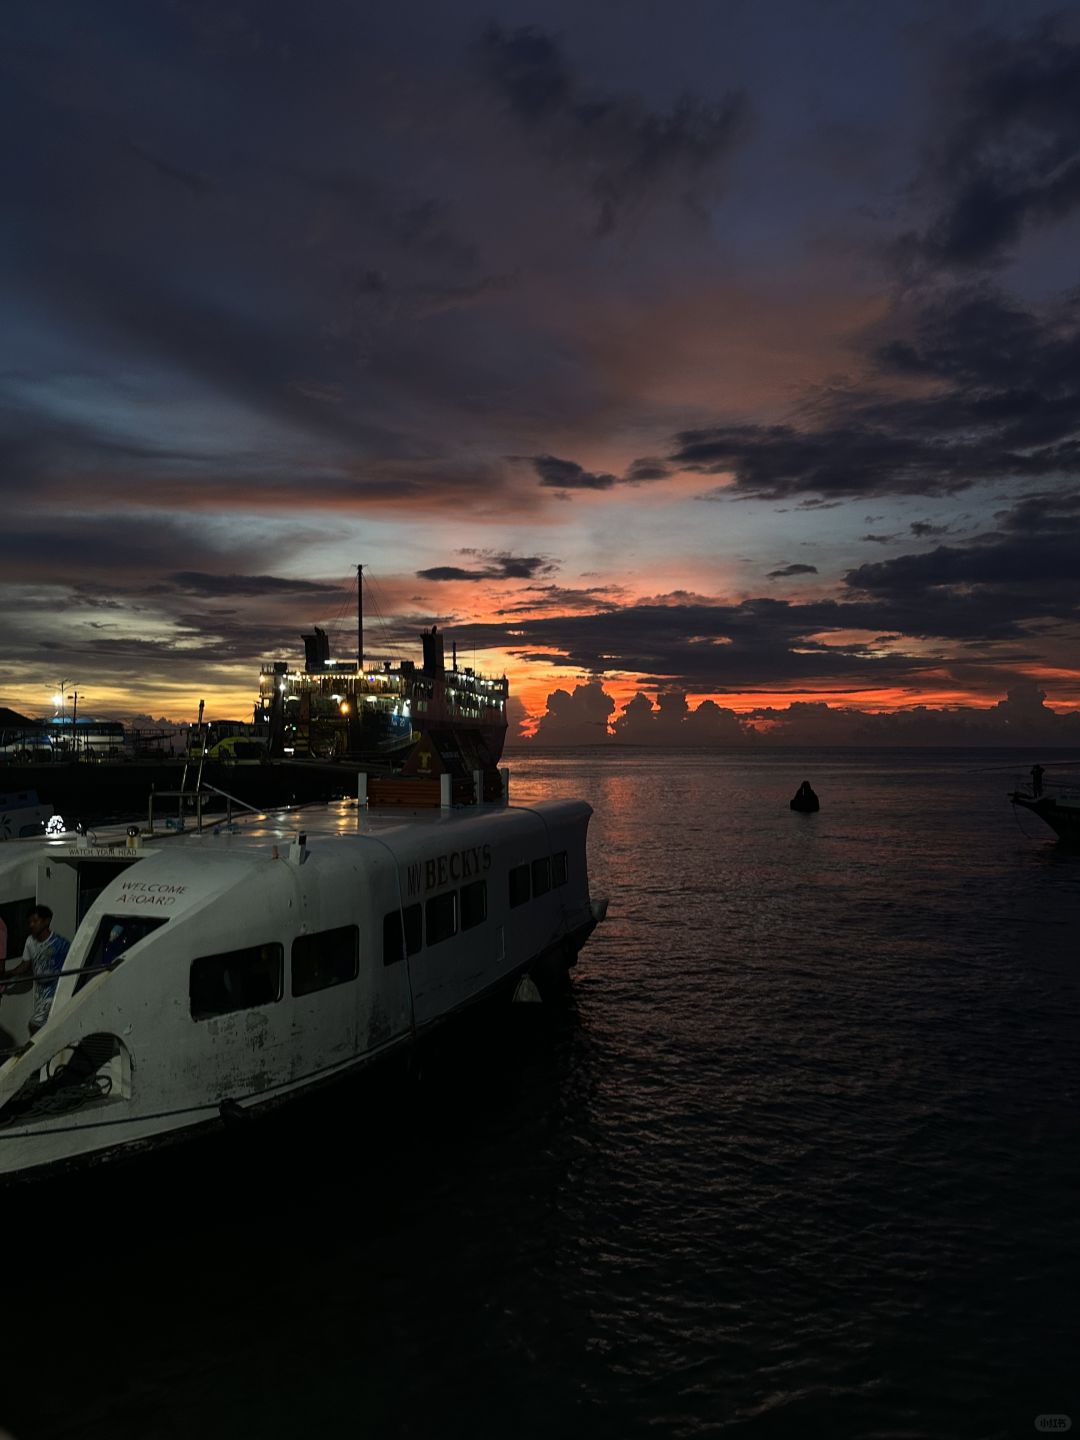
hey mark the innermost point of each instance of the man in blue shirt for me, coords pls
(44, 956)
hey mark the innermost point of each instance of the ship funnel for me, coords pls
(434, 655)
(317, 650)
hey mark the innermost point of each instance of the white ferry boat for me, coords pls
(225, 970)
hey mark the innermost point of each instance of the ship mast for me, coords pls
(360, 619)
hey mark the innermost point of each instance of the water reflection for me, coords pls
(794, 1156)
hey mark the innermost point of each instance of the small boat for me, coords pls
(1060, 808)
(805, 799)
(222, 970)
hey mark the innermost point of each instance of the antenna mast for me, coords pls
(360, 619)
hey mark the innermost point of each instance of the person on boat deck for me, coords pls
(43, 956)
(1037, 772)
(117, 943)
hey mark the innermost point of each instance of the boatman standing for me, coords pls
(1037, 773)
(43, 956)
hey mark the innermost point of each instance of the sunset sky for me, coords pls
(722, 350)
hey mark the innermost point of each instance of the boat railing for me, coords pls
(28, 980)
(204, 792)
(1051, 789)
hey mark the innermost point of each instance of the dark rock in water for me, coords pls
(805, 799)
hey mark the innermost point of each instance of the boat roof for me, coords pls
(254, 833)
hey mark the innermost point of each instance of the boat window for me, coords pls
(541, 876)
(520, 890)
(473, 904)
(441, 917)
(237, 980)
(559, 868)
(396, 943)
(329, 957)
(116, 935)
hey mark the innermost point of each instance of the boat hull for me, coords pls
(1062, 817)
(29, 1157)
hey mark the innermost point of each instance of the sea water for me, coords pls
(798, 1155)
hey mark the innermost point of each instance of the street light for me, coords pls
(59, 701)
(60, 698)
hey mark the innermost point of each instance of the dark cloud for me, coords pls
(564, 475)
(568, 475)
(978, 606)
(61, 460)
(120, 551)
(880, 539)
(1007, 154)
(619, 149)
(709, 647)
(529, 69)
(1045, 513)
(450, 572)
(787, 570)
(777, 462)
(1004, 405)
(558, 598)
(245, 356)
(923, 529)
(1029, 566)
(327, 272)
(494, 567)
(222, 586)
(646, 469)
(112, 610)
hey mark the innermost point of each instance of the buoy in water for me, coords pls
(805, 799)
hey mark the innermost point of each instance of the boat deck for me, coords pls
(253, 832)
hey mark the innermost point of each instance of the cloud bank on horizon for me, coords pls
(589, 716)
(651, 358)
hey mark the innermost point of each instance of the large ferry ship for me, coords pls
(313, 729)
(345, 709)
